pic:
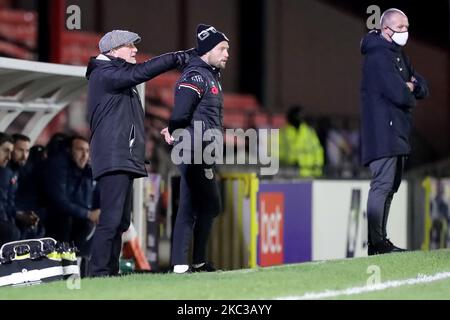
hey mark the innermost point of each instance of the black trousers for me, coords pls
(115, 205)
(386, 179)
(199, 204)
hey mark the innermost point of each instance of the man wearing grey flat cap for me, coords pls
(198, 107)
(118, 137)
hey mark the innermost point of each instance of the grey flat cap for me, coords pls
(117, 38)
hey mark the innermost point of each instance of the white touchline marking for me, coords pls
(421, 278)
(277, 267)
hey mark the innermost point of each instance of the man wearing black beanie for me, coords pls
(198, 106)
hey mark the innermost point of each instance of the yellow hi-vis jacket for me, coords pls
(301, 147)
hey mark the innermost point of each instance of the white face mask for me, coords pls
(400, 38)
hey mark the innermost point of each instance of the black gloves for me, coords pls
(182, 57)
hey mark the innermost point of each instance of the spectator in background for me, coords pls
(353, 136)
(389, 89)
(440, 218)
(30, 193)
(8, 230)
(57, 144)
(198, 100)
(300, 145)
(73, 206)
(342, 145)
(6, 149)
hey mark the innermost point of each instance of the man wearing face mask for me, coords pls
(389, 90)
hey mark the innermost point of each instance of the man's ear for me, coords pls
(206, 55)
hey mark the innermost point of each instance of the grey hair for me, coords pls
(386, 16)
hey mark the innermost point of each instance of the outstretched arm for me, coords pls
(393, 87)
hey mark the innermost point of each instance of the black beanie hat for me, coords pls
(207, 38)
